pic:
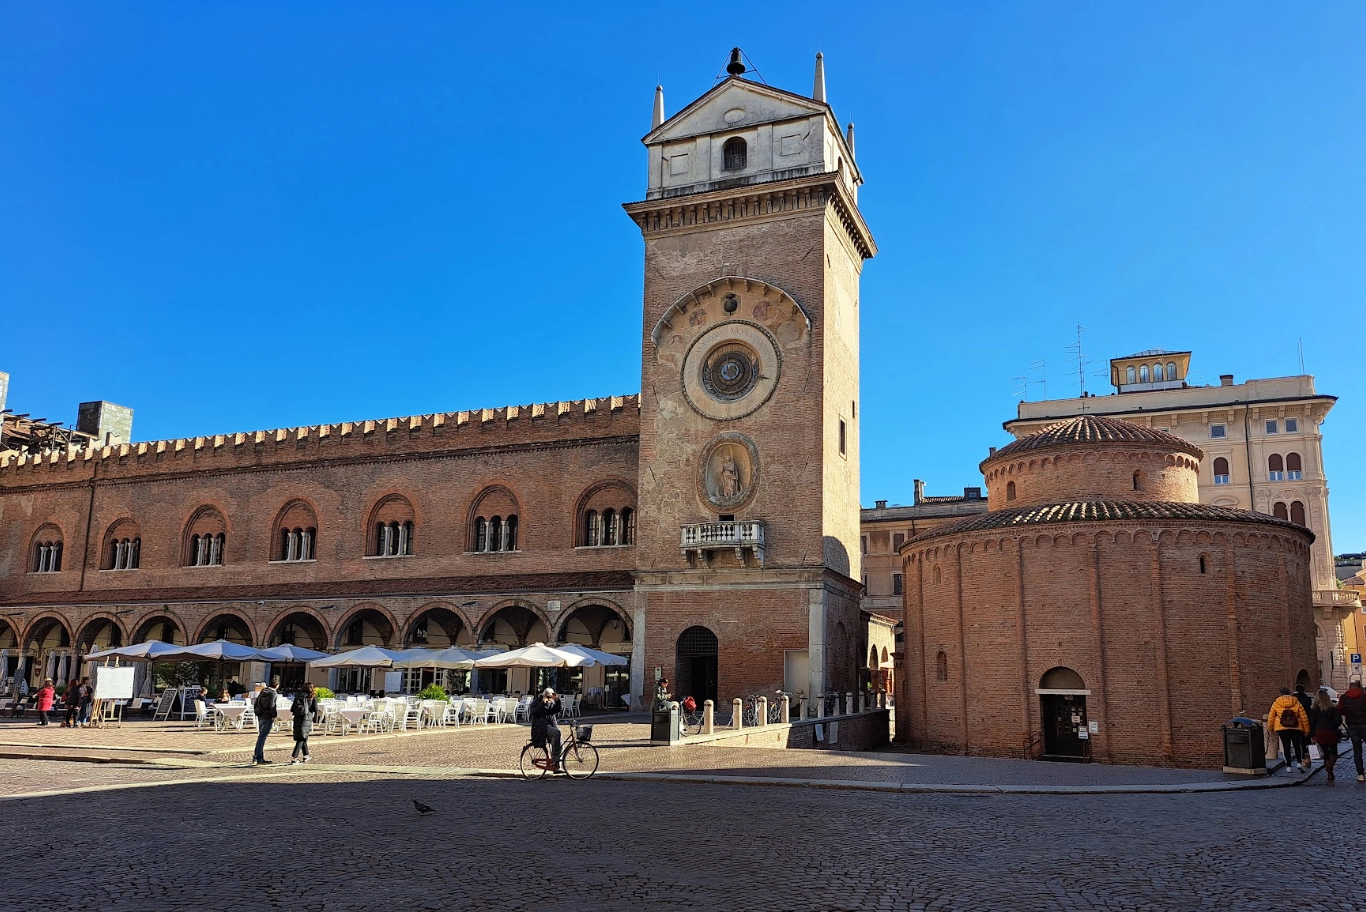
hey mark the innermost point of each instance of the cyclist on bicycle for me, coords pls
(544, 728)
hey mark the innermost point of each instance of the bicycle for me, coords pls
(691, 722)
(773, 714)
(578, 757)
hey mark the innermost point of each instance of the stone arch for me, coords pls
(677, 311)
(609, 494)
(486, 524)
(455, 628)
(121, 545)
(40, 629)
(88, 633)
(377, 627)
(207, 521)
(294, 531)
(210, 629)
(1302, 679)
(697, 656)
(1062, 678)
(520, 619)
(391, 526)
(288, 625)
(156, 623)
(596, 617)
(45, 549)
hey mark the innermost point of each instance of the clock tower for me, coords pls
(748, 562)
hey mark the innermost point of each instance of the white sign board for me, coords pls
(393, 682)
(113, 683)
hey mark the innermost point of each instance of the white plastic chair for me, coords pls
(201, 714)
(454, 711)
(523, 710)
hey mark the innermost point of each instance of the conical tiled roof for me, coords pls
(1088, 429)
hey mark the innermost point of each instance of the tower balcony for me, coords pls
(1337, 598)
(747, 538)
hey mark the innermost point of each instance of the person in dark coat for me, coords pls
(1323, 729)
(544, 729)
(304, 710)
(1352, 705)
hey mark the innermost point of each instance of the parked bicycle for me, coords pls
(773, 714)
(690, 719)
(578, 757)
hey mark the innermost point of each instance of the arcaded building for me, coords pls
(1097, 609)
(707, 528)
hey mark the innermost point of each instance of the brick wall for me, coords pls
(1072, 473)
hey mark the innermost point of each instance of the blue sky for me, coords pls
(253, 215)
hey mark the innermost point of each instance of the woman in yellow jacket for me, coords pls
(1288, 719)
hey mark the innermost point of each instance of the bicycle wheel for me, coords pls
(580, 761)
(533, 762)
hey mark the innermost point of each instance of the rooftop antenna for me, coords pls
(1021, 387)
(1080, 358)
(1041, 366)
(1301, 346)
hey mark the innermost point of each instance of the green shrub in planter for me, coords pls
(322, 693)
(433, 692)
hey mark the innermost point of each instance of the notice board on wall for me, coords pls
(113, 683)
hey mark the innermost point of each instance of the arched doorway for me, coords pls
(97, 634)
(696, 665)
(50, 652)
(513, 626)
(1062, 709)
(160, 627)
(436, 627)
(605, 628)
(9, 655)
(363, 627)
(299, 628)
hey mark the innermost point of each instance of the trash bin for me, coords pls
(664, 724)
(1244, 747)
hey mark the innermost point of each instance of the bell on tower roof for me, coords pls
(736, 66)
(659, 108)
(818, 92)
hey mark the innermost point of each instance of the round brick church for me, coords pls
(1098, 610)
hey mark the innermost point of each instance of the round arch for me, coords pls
(487, 525)
(41, 630)
(367, 624)
(229, 625)
(163, 626)
(48, 646)
(697, 654)
(396, 510)
(513, 623)
(300, 627)
(100, 631)
(437, 625)
(594, 623)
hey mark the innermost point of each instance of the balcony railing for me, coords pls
(747, 537)
(1339, 598)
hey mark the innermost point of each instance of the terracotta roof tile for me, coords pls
(1095, 429)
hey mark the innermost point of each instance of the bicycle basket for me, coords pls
(584, 733)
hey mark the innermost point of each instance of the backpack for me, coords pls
(689, 704)
(264, 707)
(1289, 718)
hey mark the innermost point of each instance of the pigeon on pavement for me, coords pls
(422, 808)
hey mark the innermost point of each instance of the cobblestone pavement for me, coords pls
(349, 841)
(623, 743)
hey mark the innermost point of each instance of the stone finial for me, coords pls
(658, 119)
(818, 91)
(849, 138)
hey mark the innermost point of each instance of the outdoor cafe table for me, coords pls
(352, 716)
(228, 714)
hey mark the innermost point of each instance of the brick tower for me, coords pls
(747, 548)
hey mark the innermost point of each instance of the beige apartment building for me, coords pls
(1263, 448)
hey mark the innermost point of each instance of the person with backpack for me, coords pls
(1290, 722)
(304, 710)
(264, 706)
(72, 697)
(1352, 706)
(87, 701)
(1323, 729)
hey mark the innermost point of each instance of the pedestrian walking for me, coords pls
(265, 708)
(1352, 707)
(1324, 720)
(1306, 701)
(87, 701)
(44, 699)
(1290, 722)
(72, 697)
(304, 710)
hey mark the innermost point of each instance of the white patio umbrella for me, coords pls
(450, 657)
(537, 655)
(290, 653)
(365, 657)
(150, 651)
(597, 656)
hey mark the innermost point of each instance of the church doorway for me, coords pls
(1062, 710)
(696, 665)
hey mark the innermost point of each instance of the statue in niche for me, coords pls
(728, 475)
(731, 486)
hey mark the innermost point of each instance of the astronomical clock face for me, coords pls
(730, 370)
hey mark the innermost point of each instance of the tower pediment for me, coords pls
(735, 104)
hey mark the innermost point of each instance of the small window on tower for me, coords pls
(734, 154)
(842, 436)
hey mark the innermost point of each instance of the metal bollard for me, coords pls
(708, 717)
(801, 709)
(785, 711)
(761, 712)
(738, 719)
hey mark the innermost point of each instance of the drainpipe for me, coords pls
(1247, 455)
(89, 521)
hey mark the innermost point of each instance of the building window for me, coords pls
(1138, 480)
(1010, 490)
(394, 539)
(1143, 374)
(206, 550)
(591, 537)
(1275, 467)
(495, 533)
(1157, 372)
(896, 584)
(1131, 375)
(1294, 468)
(898, 539)
(1204, 567)
(47, 556)
(1171, 370)
(298, 544)
(941, 666)
(609, 527)
(605, 517)
(1292, 425)
(842, 436)
(1297, 514)
(125, 554)
(734, 154)
(863, 544)
(1218, 431)
(1279, 511)
(1221, 471)
(1271, 426)
(937, 575)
